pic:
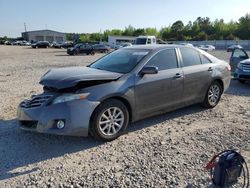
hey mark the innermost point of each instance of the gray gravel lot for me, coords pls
(169, 150)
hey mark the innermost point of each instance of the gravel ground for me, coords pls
(170, 150)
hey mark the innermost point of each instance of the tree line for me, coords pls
(200, 29)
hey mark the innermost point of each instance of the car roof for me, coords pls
(156, 46)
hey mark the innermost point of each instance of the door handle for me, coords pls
(178, 75)
(210, 69)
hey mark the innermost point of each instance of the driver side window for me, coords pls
(165, 59)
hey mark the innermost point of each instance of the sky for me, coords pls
(86, 16)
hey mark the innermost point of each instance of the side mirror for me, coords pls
(149, 70)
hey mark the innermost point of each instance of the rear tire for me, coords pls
(213, 95)
(109, 120)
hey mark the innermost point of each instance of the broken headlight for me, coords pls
(70, 97)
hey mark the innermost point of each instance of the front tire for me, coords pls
(213, 95)
(109, 120)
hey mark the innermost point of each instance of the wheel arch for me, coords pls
(219, 80)
(121, 99)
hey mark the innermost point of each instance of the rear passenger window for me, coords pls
(165, 59)
(205, 60)
(190, 57)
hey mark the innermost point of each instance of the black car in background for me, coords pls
(81, 49)
(101, 48)
(41, 44)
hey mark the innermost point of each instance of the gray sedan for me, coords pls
(124, 86)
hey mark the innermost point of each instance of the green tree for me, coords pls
(177, 30)
(129, 31)
(139, 31)
(151, 31)
(244, 27)
(165, 33)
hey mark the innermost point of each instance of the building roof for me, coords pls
(43, 30)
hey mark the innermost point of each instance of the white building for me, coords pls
(113, 40)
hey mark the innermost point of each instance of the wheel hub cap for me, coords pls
(213, 94)
(111, 121)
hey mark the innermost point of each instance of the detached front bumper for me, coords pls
(75, 114)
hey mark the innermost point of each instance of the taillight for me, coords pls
(228, 67)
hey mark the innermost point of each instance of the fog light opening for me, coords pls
(60, 124)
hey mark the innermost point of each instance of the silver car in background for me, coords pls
(124, 86)
(207, 47)
(240, 64)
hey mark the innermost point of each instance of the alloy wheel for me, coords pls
(111, 121)
(214, 94)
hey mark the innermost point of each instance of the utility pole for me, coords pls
(25, 29)
(100, 36)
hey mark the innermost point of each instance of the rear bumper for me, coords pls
(75, 114)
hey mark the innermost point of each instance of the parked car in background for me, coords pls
(232, 47)
(27, 44)
(126, 44)
(207, 47)
(41, 44)
(124, 86)
(101, 48)
(67, 44)
(187, 44)
(81, 49)
(240, 64)
(116, 46)
(56, 44)
(16, 42)
(7, 42)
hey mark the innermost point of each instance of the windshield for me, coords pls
(140, 41)
(121, 61)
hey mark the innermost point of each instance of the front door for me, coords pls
(237, 56)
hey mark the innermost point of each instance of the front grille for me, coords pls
(35, 101)
(246, 67)
(29, 124)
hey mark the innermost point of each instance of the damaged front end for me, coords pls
(63, 108)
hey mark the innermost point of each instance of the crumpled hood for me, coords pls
(70, 76)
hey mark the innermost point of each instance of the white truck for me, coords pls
(145, 40)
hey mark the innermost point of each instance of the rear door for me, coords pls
(156, 92)
(197, 75)
(237, 56)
